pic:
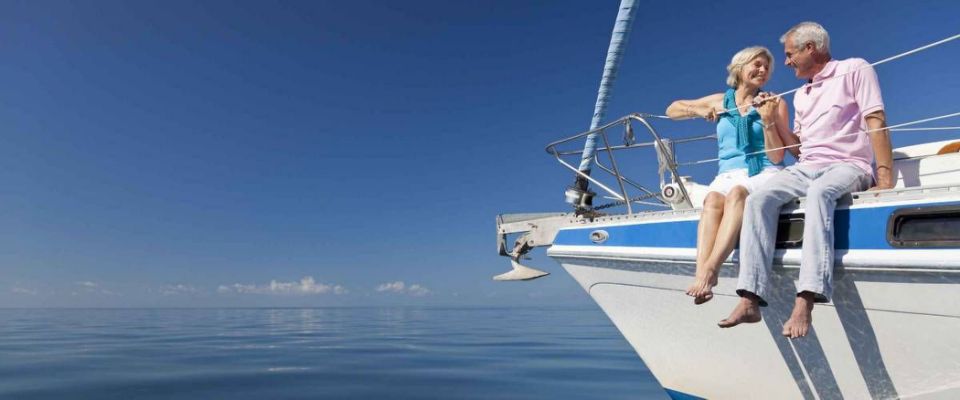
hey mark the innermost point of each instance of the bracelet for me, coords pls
(765, 126)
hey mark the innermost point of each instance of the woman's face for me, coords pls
(756, 72)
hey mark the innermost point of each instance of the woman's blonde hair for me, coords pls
(743, 57)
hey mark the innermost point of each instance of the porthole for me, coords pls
(599, 236)
(790, 231)
(928, 227)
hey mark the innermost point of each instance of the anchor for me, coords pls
(538, 230)
(520, 272)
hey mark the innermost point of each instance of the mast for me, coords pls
(578, 194)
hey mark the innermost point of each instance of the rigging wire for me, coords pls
(883, 61)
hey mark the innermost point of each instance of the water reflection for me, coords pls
(317, 353)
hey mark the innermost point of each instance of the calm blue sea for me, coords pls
(332, 353)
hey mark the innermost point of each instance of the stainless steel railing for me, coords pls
(665, 158)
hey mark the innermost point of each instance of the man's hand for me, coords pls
(884, 179)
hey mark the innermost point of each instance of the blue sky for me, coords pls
(319, 153)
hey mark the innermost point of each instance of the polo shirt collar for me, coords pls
(828, 69)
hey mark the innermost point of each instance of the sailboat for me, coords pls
(891, 331)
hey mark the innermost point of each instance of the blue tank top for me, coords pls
(733, 146)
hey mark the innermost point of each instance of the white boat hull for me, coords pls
(888, 334)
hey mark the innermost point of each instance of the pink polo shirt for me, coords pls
(827, 115)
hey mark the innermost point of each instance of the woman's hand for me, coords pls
(709, 113)
(707, 107)
(766, 104)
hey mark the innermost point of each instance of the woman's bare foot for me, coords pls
(802, 316)
(703, 298)
(747, 311)
(696, 287)
(702, 289)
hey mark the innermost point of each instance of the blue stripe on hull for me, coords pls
(675, 395)
(860, 228)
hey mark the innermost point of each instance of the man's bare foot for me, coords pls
(702, 288)
(799, 323)
(747, 311)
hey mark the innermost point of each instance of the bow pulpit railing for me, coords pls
(673, 191)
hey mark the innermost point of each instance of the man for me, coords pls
(831, 117)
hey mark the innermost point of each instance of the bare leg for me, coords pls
(747, 311)
(727, 236)
(802, 316)
(706, 234)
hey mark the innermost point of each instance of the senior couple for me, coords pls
(844, 147)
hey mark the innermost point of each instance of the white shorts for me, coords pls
(734, 177)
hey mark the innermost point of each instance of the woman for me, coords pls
(741, 130)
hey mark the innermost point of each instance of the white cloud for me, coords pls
(395, 287)
(21, 290)
(400, 287)
(306, 286)
(178, 289)
(417, 290)
(89, 287)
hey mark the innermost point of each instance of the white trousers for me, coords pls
(822, 186)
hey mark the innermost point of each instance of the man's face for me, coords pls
(800, 58)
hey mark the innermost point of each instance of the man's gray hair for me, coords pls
(811, 32)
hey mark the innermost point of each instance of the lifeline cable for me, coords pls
(891, 128)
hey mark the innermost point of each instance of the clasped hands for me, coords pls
(766, 104)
